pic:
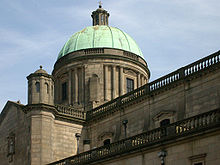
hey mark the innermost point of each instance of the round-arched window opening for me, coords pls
(37, 84)
(106, 142)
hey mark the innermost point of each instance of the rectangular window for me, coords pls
(64, 91)
(130, 85)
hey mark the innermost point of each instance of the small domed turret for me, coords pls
(40, 87)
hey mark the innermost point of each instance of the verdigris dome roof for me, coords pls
(100, 36)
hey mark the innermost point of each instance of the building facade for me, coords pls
(98, 107)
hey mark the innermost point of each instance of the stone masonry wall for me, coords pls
(13, 120)
(51, 139)
(202, 149)
(189, 98)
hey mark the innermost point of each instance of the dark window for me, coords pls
(64, 91)
(97, 19)
(37, 87)
(130, 85)
(106, 142)
(52, 90)
(200, 163)
(165, 122)
(47, 87)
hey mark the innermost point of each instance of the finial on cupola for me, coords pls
(100, 4)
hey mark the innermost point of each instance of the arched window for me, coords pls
(47, 87)
(106, 142)
(97, 19)
(165, 122)
(102, 19)
(37, 84)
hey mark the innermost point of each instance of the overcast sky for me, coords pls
(170, 33)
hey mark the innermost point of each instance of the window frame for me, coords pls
(195, 159)
(129, 84)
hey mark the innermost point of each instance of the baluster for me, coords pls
(203, 120)
(206, 120)
(199, 121)
(150, 137)
(189, 71)
(176, 129)
(193, 123)
(168, 80)
(214, 118)
(181, 128)
(194, 68)
(144, 138)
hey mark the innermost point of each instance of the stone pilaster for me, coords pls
(113, 81)
(121, 81)
(70, 87)
(41, 90)
(76, 86)
(105, 82)
(138, 80)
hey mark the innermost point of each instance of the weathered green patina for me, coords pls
(100, 37)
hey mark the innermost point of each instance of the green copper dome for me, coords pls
(100, 36)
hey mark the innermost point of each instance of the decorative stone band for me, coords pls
(188, 72)
(209, 121)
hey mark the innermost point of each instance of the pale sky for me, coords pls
(170, 33)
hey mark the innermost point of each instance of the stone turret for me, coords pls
(40, 87)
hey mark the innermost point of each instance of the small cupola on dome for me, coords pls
(100, 16)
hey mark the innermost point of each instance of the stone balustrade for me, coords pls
(68, 110)
(180, 129)
(183, 73)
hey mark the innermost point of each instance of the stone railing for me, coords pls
(172, 78)
(131, 55)
(202, 64)
(68, 110)
(185, 128)
(94, 51)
